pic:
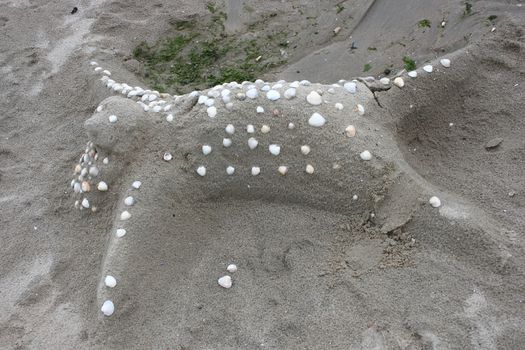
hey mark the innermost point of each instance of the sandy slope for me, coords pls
(460, 287)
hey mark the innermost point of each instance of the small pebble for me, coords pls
(201, 170)
(230, 170)
(260, 109)
(206, 149)
(212, 112)
(225, 282)
(108, 308)
(252, 93)
(136, 184)
(256, 170)
(113, 118)
(250, 129)
(232, 268)
(316, 120)
(290, 93)
(412, 74)
(85, 203)
(366, 155)
(125, 215)
(105, 160)
(102, 186)
(314, 98)
(265, 129)
(110, 281)
(283, 170)
(360, 109)
(339, 106)
(354, 197)
(384, 81)
(129, 201)
(495, 142)
(435, 202)
(121, 232)
(275, 149)
(305, 149)
(291, 126)
(309, 169)
(169, 118)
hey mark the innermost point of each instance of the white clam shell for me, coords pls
(316, 120)
(110, 281)
(225, 282)
(108, 308)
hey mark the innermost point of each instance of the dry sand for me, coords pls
(316, 270)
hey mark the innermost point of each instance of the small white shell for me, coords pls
(129, 201)
(274, 149)
(225, 282)
(230, 129)
(435, 202)
(252, 143)
(350, 131)
(283, 170)
(125, 215)
(169, 118)
(105, 160)
(250, 129)
(256, 170)
(316, 120)
(102, 186)
(108, 308)
(252, 93)
(309, 169)
(360, 109)
(314, 98)
(273, 95)
(110, 281)
(412, 74)
(226, 142)
(260, 109)
(120, 232)
(201, 170)
(232, 268)
(112, 118)
(339, 106)
(399, 82)
(350, 87)
(384, 81)
(305, 149)
(85, 203)
(136, 184)
(230, 170)
(167, 156)
(428, 68)
(291, 126)
(206, 149)
(366, 155)
(290, 93)
(445, 62)
(265, 129)
(212, 112)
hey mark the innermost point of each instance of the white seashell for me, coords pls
(277, 86)
(93, 63)
(331, 91)
(206, 149)
(110, 281)
(275, 149)
(108, 308)
(384, 81)
(226, 142)
(102, 186)
(85, 186)
(232, 268)
(202, 99)
(77, 187)
(152, 97)
(412, 74)
(129, 201)
(136, 184)
(273, 95)
(304, 83)
(260, 109)
(339, 106)
(125, 215)
(256, 170)
(100, 108)
(365, 155)
(291, 126)
(157, 109)
(167, 156)
(93, 171)
(225, 282)
(445, 62)
(229, 105)
(230, 129)
(212, 111)
(230, 170)
(399, 82)
(314, 98)
(309, 169)
(250, 129)
(435, 202)
(85, 203)
(252, 93)
(266, 88)
(169, 118)
(428, 68)
(295, 84)
(121, 232)
(350, 131)
(283, 170)
(305, 149)
(354, 197)
(98, 69)
(350, 87)
(201, 170)
(167, 108)
(290, 93)
(265, 129)
(113, 118)
(316, 120)
(107, 72)
(360, 110)
(252, 143)
(105, 160)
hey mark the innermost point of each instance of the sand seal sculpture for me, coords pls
(295, 143)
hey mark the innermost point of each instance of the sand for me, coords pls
(316, 270)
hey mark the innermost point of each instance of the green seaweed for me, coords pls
(367, 67)
(410, 64)
(424, 23)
